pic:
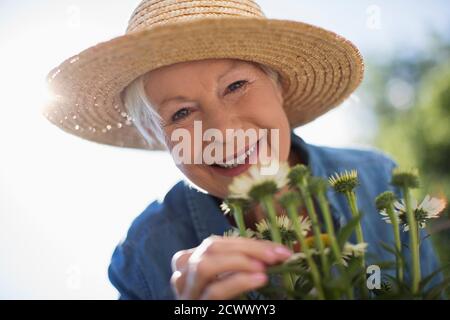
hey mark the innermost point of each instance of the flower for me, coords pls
(284, 224)
(311, 243)
(432, 206)
(385, 200)
(290, 198)
(298, 175)
(230, 204)
(225, 208)
(234, 233)
(302, 256)
(429, 208)
(386, 216)
(245, 186)
(353, 250)
(405, 178)
(318, 185)
(349, 251)
(345, 181)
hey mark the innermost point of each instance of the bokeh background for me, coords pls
(65, 203)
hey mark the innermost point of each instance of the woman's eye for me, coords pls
(236, 85)
(180, 114)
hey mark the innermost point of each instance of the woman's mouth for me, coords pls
(238, 164)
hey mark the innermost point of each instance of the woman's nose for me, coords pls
(222, 118)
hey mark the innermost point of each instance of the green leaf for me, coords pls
(390, 265)
(437, 291)
(346, 231)
(392, 249)
(303, 285)
(430, 277)
(403, 288)
(287, 267)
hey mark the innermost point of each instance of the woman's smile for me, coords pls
(238, 164)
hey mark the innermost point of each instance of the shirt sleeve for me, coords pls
(126, 274)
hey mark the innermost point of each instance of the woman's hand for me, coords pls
(224, 267)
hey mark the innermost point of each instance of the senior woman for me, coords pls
(225, 65)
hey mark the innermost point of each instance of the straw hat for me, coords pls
(319, 68)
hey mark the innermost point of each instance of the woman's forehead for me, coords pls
(208, 66)
(167, 80)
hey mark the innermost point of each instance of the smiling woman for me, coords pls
(226, 67)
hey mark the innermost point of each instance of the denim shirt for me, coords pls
(141, 264)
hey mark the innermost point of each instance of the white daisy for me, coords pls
(386, 217)
(350, 250)
(353, 250)
(243, 184)
(285, 226)
(298, 256)
(234, 232)
(225, 208)
(432, 206)
(429, 208)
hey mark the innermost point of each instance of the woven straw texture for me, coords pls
(319, 68)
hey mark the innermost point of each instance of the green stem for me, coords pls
(239, 218)
(351, 199)
(269, 207)
(293, 215)
(329, 227)
(413, 241)
(398, 243)
(315, 225)
(323, 204)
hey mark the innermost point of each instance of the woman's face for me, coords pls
(222, 94)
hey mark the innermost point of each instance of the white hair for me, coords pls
(147, 120)
(142, 113)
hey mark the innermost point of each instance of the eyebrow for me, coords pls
(233, 65)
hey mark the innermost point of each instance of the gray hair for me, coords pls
(147, 120)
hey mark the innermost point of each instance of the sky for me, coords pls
(65, 202)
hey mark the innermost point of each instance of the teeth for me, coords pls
(239, 160)
(250, 151)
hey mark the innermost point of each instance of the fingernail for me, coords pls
(282, 251)
(259, 277)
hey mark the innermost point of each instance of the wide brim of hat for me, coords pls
(319, 70)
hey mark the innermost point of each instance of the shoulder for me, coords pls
(140, 264)
(159, 215)
(373, 165)
(369, 157)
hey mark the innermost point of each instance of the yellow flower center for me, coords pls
(324, 237)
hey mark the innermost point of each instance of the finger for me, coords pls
(178, 282)
(233, 285)
(199, 274)
(266, 251)
(179, 259)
